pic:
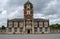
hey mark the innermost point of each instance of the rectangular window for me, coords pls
(35, 23)
(45, 23)
(21, 24)
(28, 23)
(10, 24)
(35, 29)
(46, 29)
(10, 29)
(40, 23)
(15, 29)
(28, 12)
(21, 29)
(15, 24)
(40, 29)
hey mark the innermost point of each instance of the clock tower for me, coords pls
(28, 10)
(28, 17)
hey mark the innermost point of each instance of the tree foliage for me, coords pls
(55, 26)
(3, 27)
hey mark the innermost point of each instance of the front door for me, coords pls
(28, 31)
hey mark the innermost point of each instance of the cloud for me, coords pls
(18, 13)
(38, 15)
(47, 9)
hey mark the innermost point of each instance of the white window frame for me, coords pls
(46, 29)
(46, 24)
(15, 29)
(28, 23)
(21, 23)
(41, 29)
(10, 24)
(15, 24)
(35, 29)
(10, 29)
(21, 29)
(40, 24)
(35, 24)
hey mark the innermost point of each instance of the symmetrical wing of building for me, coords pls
(28, 24)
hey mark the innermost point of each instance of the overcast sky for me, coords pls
(47, 9)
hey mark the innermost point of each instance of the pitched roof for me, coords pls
(22, 19)
(28, 2)
(40, 19)
(16, 19)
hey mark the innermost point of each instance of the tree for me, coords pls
(3, 27)
(55, 26)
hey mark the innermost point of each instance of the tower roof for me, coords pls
(28, 2)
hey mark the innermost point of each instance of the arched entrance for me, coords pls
(28, 31)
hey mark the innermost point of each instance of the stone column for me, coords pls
(38, 30)
(48, 29)
(32, 26)
(24, 27)
(18, 30)
(12, 30)
(7, 30)
(44, 29)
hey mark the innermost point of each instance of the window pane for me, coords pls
(21, 29)
(35, 29)
(40, 29)
(10, 29)
(10, 24)
(45, 23)
(40, 23)
(15, 29)
(35, 23)
(15, 24)
(46, 29)
(21, 24)
(28, 23)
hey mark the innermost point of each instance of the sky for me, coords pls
(46, 9)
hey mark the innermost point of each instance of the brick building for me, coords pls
(28, 24)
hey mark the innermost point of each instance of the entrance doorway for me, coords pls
(28, 31)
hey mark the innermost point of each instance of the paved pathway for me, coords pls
(30, 36)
